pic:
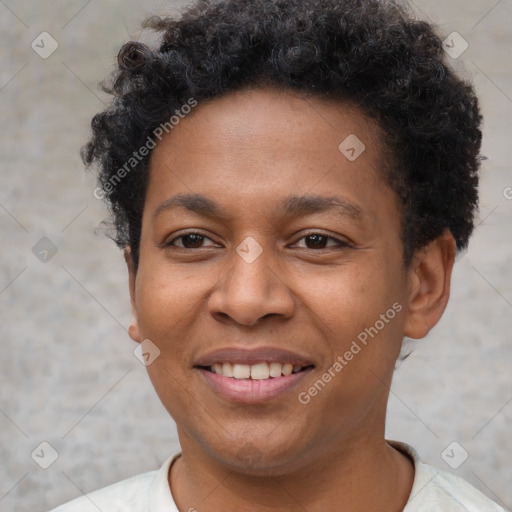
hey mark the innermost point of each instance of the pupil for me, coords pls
(318, 240)
(196, 240)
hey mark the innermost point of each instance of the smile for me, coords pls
(260, 371)
(252, 376)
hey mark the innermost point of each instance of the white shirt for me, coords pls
(433, 490)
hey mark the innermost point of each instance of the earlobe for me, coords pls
(429, 285)
(133, 329)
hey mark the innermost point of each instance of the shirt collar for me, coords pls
(161, 499)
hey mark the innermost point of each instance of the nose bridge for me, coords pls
(250, 278)
(251, 289)
(251, 265)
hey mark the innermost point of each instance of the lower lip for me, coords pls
(248, 391)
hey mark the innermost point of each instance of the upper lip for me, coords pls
(252, 356)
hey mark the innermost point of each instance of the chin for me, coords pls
(259, 460)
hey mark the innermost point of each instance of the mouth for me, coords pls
(254, 376)
(260, 371)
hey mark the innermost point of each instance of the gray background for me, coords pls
(67, 372)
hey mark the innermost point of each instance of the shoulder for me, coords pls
(440, 490)
(127, 495)
(132, 494)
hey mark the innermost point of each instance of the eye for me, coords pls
(190, 240)
(195, 240)
(320, 241)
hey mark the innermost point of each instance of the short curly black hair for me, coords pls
(373, 53)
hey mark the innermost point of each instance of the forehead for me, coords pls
(284, 117)
(255, 146)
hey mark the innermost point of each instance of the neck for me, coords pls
(366, 474)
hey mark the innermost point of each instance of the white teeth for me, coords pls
(241, 371)
(287, 369)
(227, 370)
(260, 371)
(275, 369)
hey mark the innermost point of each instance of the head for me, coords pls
(289, 181)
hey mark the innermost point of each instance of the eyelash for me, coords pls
(340, 243)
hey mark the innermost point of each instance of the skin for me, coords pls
(248, 151)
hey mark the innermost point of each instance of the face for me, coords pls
(268, 249)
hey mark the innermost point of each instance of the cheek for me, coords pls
(172, 308)
(358, 312)
(347, 295)
(166, 300)
(167, 304)
(360, 303)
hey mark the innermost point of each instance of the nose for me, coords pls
(251, 291)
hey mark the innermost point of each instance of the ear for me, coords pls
(429, 277)
(133, 330)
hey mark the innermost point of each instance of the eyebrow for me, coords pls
(291, 206)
